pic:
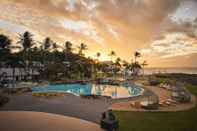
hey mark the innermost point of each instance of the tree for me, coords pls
(117, 66)
(54, 46)
(5, 43)
(135, 68)
(27, 43)
(126, 66)
(47, 44)
(83, 47)
(118, 60)
(137, 55)
(67, 50)
(45, 48)
(55, 51)
(54, 71)
(98, 54)
(143, 65)
(68, 47)
(112, 54)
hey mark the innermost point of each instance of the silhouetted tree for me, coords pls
(143, 65)
(68, 47)
(137, 55)
(26, 40)
(5, 43)
(98, 54)
(47, 44)
(83, 47)
(112, 54)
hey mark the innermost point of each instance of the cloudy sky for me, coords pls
(164, 31)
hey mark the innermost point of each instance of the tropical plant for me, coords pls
(82, 48)
(54, 46)
(135, 68)
(137, 55)
(117, 63)
(112, 54)
(27, 42)
(68, 50)
(143, 65)
(68, 47)
(125, 64)
(98, 55)
(47, 44)
(5, 43)
(45, 48)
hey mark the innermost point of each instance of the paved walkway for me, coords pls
(68, 105)
(37, 121)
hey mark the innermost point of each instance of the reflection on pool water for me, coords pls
(92, 89)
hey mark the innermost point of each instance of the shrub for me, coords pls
(3, 100)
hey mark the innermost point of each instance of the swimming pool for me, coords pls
(92, 89)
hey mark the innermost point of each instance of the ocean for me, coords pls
(149, 71)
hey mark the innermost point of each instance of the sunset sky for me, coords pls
(164, 31)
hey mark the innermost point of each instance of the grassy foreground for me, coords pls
(165, 121)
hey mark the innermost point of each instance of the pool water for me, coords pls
(92, 89)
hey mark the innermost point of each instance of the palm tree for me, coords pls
(27, 42)
(137, 55)
(5, 42)
(47, 43)
(55, 47)
(143, 65)
(45, 47)
(126, 66)
(82, 48)
(135, 67)
(98, 55)
(112, 54)
(118, 60)
(67, 50)
(68, 47)
(117, 66)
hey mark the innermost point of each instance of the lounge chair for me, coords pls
(136, 105)
(149, 105)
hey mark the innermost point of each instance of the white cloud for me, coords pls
(186, 12)
(84, 28)
(90, 5)
(113, 32)
(11, 27)
(71, 5)
(175, 44)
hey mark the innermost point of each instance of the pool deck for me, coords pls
(162, 94)
(37, 121)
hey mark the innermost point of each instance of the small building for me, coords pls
(17, 74)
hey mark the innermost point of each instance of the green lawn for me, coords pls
(165, 121)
